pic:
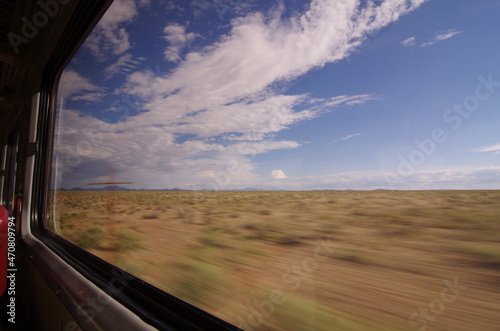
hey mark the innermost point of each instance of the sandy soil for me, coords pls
(311, 260)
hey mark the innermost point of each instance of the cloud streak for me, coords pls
(491, 148)
(348, 137)
(409, 42)
(441, 36)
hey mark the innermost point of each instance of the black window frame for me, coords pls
(152, 305)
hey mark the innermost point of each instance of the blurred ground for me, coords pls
(305, 260)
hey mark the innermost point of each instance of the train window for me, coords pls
(301, 164)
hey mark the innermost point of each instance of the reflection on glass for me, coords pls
(291, 165)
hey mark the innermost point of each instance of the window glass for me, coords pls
(291, 165)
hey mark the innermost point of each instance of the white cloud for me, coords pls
(349, 100)
(440, 36)
(113, 69)
(278, 50)
(252, 148)
(447, 34)
(261, 116)
(491, 148)
(408, 42)
(250, 136)
(349, 137)
(177, 38)
(278, 174)
(90, 97)
(110, 36)
(72, 84)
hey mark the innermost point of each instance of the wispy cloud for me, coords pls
(349, 137)
(110, 36)
(119, 64)
(177, 38)
(89, 97)
(409, 42)
(350, 100)
(440, 36)
(74, 86)
(490, 148)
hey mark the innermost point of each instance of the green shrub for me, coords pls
(488, 256)
(353, 255)
(127, 240)
(299, 313)
(150, 216)
(91, 238)
(200, 282)
(265, 212)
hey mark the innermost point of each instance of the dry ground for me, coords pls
(305, 260)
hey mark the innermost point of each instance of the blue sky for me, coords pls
(297, 94)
